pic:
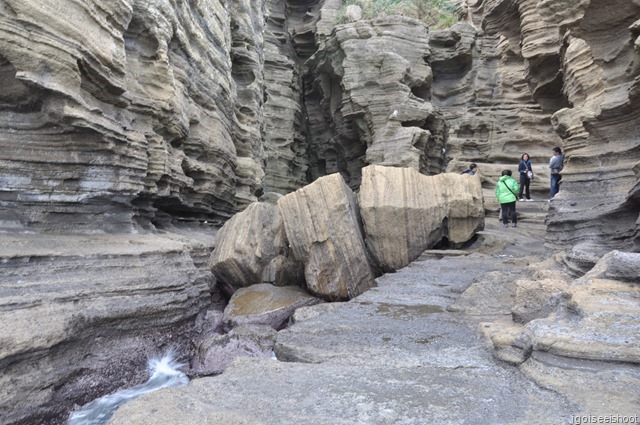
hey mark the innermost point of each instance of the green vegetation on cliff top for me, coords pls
(436, 14)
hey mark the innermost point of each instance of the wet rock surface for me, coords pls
(265, 304)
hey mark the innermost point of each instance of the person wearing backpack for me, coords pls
(506, 194)
(526, 175)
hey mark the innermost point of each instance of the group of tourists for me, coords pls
(509, 190)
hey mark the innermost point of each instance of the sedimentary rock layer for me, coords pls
(580, 67)
(132, 112)
(324, 231)
(81, 315)
(371, 84)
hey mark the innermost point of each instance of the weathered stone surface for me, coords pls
(583, 329)
(252, 248)
(494, 293)
(618, 265)
(405, 212)
(151, 110)
(305, 313)
(324, 231)
(134, 115)
(537, 297)
(82, 314)
(371, 83)
(284, 126)
(620, 382)
(127, 110)
(215, 353)
(265, 304)
(511, 343)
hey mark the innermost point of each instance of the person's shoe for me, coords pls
(505, 225)
(514, 225)
(520, 199)
(529, 200)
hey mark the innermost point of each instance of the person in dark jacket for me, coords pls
(526, 172)
(556, 165)
(506, 190)
(472, 170)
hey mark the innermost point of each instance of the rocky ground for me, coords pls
(432, 343)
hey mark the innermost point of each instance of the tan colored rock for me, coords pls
(601, 319)
(323, 228)
(265, 304)
(511, 342)
(252, 248)
(405, 212)
(538, 297)
(370, 99)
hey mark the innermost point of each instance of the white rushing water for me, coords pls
(164, 372)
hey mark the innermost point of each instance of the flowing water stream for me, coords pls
(164, 372)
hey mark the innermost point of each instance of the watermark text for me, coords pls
(604, 419)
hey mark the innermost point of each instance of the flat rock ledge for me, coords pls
(397, 355)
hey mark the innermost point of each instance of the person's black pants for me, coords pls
(506, 209)
(524, 186)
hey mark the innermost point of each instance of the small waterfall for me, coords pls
(164, 374)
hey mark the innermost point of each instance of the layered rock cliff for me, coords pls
(123, 119)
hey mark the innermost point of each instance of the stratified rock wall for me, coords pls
(285, 141)
(130, 109)
(81, 315)
(371, 83)
(599, 128)
(544, 74)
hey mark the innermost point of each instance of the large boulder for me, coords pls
(324, 231)
(265, 304)
(252, 248)
(405, 212)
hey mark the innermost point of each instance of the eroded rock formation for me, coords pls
(83, 314)
(120, 118)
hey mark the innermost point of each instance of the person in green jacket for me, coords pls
(506, 193)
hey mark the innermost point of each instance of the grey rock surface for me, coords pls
(399, 354)
(216, 352)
